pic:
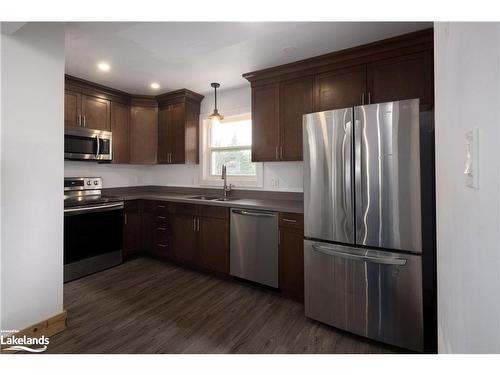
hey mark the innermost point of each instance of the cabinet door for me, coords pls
(131, 229)
(296, 99)
(403, 77)
(265, 123)
(96, 113)
(214, 249)
(178, 131)
(164, 134)
(72, 108)
(185, 238)
(291, 256)
(143, 135)
(120, 126)
(340, 88)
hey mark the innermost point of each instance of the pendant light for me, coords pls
(215, 115)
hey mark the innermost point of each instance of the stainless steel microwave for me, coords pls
(87, 144)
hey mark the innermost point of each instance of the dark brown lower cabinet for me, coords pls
(185, 239)
(291, 255)
(214, 238)
(131, 229)
(198, 236)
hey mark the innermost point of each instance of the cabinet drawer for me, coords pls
(161, 221)
(215, 212)
(161, 208)
(291, 220)
(161, 236)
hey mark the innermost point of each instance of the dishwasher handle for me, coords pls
(253, 213)
(365, 258)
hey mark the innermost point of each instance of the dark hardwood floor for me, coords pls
(147, 306)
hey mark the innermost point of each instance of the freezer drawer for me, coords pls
(254, 246)
(371, 293)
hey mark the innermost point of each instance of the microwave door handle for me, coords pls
(98, 147)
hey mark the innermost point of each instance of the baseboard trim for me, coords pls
(48, 327)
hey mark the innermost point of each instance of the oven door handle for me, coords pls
(90, 209)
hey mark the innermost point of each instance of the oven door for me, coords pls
(87, 144)
(93, 238)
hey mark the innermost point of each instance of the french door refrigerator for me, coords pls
(363, 221)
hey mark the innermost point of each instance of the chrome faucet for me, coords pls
(226, 189)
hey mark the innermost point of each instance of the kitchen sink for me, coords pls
(204, 198)
(226, 200)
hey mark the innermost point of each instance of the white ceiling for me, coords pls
(191, 55)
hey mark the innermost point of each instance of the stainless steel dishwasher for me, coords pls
(254, 246)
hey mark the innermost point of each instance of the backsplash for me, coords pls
(279, 176)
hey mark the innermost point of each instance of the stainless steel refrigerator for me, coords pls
(363, 221)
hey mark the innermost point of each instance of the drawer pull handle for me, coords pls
(160, 206)
(290, 220)
(161, 228)
(161, 217)
(161, 245)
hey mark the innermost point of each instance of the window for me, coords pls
(229, 142)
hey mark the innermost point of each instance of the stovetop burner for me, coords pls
(85, 191)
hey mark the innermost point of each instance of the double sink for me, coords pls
(206, 198)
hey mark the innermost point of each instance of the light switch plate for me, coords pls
(471, 170)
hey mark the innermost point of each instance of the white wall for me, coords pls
(32, 86)
(467, 63)
(230, 102)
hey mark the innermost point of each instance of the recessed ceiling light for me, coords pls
(155, 86)
(103, 66)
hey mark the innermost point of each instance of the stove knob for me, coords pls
(96, 182)
(88, 183)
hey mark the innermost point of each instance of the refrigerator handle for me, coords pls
(365, 258)
(358, 176)
(347, 156)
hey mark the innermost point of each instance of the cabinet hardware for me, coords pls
(194, 225)
(79, 120)
(289, 220)
(369, 97)
(161, 228)
(281, 152)
(161, 217)
(84, 121)
(362, 98)
(161, 245)
(160, 206)
(276, 153)
(125, 219)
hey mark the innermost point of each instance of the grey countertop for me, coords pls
(257, 203)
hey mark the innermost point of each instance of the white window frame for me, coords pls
(207, 179)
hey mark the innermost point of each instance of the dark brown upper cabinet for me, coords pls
(96, 113)
(178, 127)
(296, 99)
(388, 70)
(72, 108)
(265, 123)
(341, 88)
(86, 111)
(120, 127)
(402, 77)
(143, 134)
